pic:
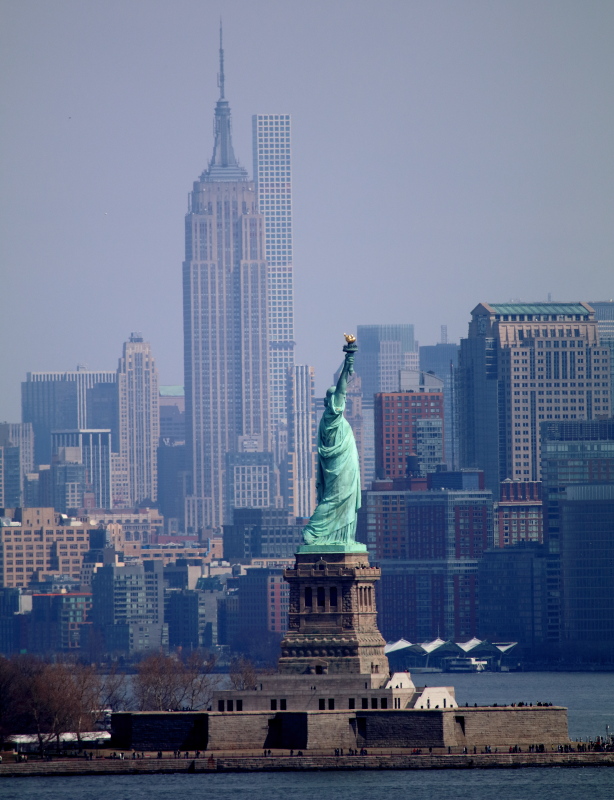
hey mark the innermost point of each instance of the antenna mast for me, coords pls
(220, 77)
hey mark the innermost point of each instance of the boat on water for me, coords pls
(465, 665)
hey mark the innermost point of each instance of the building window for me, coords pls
(365, 702)
(220, 705)
(273, 705)
(374, 702)
(384, 702)
(282, 705)
(239, 705)
(331, 704)
(322, 704)
(351, 703)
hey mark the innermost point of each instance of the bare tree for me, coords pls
(243, 674)
(198, 681)
(13, 713)
(85, 693)
(46, 700)
(167, 682)
(156, 685)
(115, 690)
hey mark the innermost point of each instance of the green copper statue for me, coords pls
(332, 526)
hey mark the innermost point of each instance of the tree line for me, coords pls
(49, 699)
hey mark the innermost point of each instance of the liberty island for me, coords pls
(333, 689)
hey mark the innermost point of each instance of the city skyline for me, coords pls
(492, 166)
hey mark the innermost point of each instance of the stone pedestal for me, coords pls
(332, 616)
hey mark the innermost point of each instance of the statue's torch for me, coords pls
(350, 348)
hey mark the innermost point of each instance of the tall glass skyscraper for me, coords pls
(61, 400)
(225, 306)
(273, 176)
(383, 351)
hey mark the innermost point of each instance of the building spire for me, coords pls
(220, 77)
(223, 165)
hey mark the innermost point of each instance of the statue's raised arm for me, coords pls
(333, 523)
(348, 369)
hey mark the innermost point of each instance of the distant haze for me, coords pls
(444, 153)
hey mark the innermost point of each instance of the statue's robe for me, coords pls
(337, 481)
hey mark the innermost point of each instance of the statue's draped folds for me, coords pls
(338, 474)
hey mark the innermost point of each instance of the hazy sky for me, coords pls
(444, 153)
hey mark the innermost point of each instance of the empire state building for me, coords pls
(226, 344)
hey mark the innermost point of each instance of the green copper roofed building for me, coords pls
(522, 364)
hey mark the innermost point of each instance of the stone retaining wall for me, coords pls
(509, 725)
(325, 730)
(253, 763)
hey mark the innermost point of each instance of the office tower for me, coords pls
(251, 482)
(262, 533)
(21, 435)
(57, 621)
(128, 607)
(604, 314)
(587, 563)
(442, 360)
(578, 488)
(226, 347)
(521, 364)
(273, 177)
(190, 616)
(36, 540)
(10, 477)
(428, 544)
(409, 430)
(172, 467)
(139, 430)
(263, 604)
(103, 410)
(172, 413)
(519, 513)
(383, 351)
(92, 449)
(512, 585)
(54, 401)
(300, 472)
(69, 483)
(172, 477)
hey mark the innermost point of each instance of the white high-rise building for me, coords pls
(139, 418)
(301, 457)
(273, 177)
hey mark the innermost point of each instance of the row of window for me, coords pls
(323, 704)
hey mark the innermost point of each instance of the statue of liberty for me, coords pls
(333, 523)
